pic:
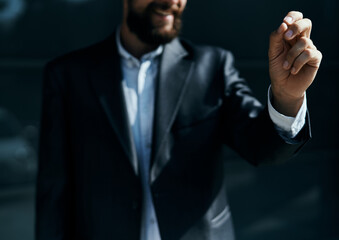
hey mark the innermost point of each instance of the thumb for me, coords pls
(277, 42)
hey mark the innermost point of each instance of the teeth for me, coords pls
(161, 12)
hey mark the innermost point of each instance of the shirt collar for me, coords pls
(127, 56)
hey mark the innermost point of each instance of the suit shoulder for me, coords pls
(199, 50)
(82, 57)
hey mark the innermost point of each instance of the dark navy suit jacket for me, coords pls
(88, 187)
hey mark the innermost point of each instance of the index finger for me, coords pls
(302, 27)
(292, 17)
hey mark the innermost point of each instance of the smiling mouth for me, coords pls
(162, 12)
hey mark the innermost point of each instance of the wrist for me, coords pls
(286, 104)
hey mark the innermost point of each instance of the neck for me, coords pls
(132, 43)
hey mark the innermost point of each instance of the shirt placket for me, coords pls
(145, 97)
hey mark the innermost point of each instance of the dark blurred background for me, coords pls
(297, 200)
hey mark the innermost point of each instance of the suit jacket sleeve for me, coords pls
(53, 199)
(249, 129)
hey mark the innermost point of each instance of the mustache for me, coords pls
(165, 6)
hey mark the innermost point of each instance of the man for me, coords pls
(133, 128)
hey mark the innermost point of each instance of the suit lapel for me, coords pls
(174, 74)
(106, 79)
(173, 79)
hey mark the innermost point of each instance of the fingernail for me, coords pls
(293, 70)
(288, 20)
(289, 34)
(285, 64)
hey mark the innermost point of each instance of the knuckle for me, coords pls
(296, 28)
(310, 43)
(304, 41)
(320, 55)
(308, 53)
(309, 22)
(295, 13)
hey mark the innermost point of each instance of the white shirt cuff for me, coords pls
(287, 126)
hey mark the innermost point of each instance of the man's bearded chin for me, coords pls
(143, 27)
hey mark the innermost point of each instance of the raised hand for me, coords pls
(293, 62)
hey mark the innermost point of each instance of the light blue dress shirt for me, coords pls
(139, 90)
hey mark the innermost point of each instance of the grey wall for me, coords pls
(298, 200)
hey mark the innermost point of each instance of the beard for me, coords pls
(142, 25)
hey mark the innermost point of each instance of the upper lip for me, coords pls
(163, 12)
